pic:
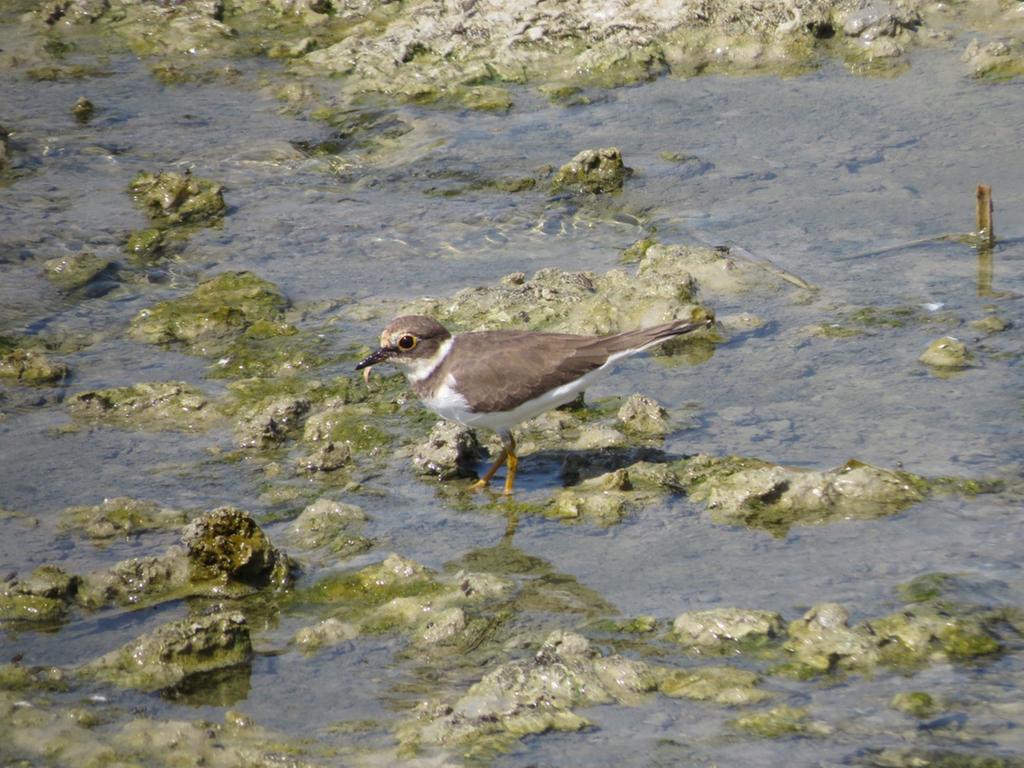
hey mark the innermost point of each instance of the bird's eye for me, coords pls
(407, 342)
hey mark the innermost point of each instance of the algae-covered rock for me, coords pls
(83, 110)
(450, 450)
(779, 722)
(139, 581)
(236, 319)
(227, 545)
(374, 585)
(720, 629)
(329, 457)
(328, 632)
(28, 364)
(714, 270)
(352, 425)
(121, 517)
(761, 495)
(400, 595)
(946, 353)
(176, 652)
(593, 171)
(43, 729)
(270, 424)
(331, 525)
(995, 60)
(722, 685)
(579, 302)
(925, 634)
(178, 198)
(605, 499)
(80, 271)
(41, 597)
(158, 405)
(531, 696)
(990, 324)
(821, 641)
(220, 308)
(916, 703)
(223, 554)
(146, 243)
(640, 415)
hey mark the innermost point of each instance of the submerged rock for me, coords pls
(916, 703)
(176, 652)
(592, 171)
(139, 581)
(83, 110)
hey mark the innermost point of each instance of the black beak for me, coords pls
(380, 356)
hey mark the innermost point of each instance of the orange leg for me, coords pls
(507, 455)
(484, 481)
(513, 464)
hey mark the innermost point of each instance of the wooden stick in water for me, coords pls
(983, 215)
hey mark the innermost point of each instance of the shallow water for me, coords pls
(810, 172)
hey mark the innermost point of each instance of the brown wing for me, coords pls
(498, 370)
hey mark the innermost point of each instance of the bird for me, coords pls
(498, 379)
